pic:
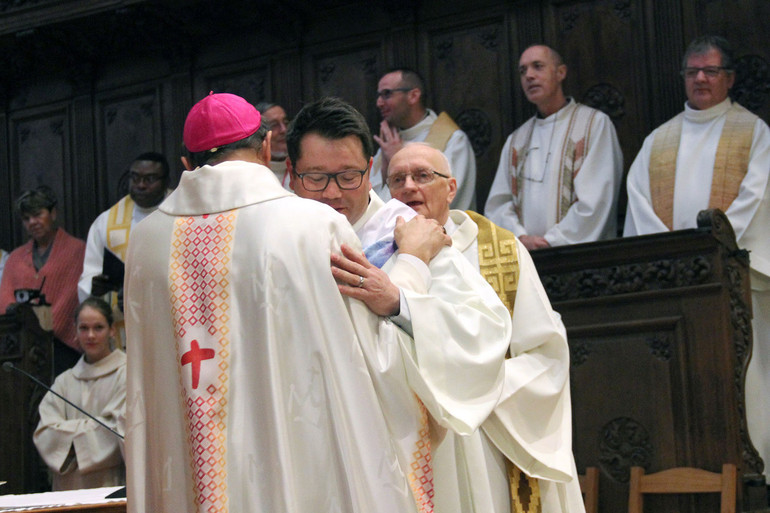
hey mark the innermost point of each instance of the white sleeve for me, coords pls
(93, 261)
(499, 206)
(532, 423)
(461, 333)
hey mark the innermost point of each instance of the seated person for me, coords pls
(79, 452)
(52, 256)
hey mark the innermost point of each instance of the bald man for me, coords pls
(560, 172)
(530, 428)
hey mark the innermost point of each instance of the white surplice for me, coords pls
(749, 215)
(532, 423)
(99, 389)
(593, 215)
(315, 398)
(462, 162)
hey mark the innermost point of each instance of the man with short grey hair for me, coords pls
(715, 154)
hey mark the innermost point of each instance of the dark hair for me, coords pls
(97, 304)
(264, 106)
(413, 80)
(154, 156)
(201, 158)
(703, 44)
(32, 201)
(331, 118)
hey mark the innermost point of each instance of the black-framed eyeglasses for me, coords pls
(709, 71)
(419, 176)
(385, 94)
(148, 179)
(345, 180)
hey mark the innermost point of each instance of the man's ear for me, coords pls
(265, 151)
(186, 164)
(452, 189)
(561, 72)
(290, 171)
(414, 96)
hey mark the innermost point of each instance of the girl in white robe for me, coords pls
(78, 451)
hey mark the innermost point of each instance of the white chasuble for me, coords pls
(253, 385)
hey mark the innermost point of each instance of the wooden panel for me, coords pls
(461, 63)
(601, 43)
(28, 347)
(249, 80)
(747, 28)
(350, 73)
(658, 345)
(129, 123)
(40, 155)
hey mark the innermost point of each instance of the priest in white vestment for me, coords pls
(560, 172)
(405, 118)
(532, 423)
(716, 154)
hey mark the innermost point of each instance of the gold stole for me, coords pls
(572, 151)
(499, 264)
(119, 226)
(118, 229)
(440, 132)
(730, 164)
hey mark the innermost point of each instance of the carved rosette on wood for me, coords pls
(625, 443)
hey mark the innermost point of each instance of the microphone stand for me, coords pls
(8, 366)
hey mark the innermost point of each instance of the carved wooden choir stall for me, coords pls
(29, 347)
(659, 330)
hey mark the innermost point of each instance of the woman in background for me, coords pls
(79, 452)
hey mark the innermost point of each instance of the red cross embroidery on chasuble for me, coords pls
(194, 357)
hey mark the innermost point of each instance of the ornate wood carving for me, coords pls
(625, 444)
(752, 82)
(476, 124)
(607, 99)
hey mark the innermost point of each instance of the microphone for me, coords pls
(8, 366)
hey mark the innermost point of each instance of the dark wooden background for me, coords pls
(87, 85)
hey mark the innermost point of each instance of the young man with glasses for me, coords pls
(148, 177)
(459, 326)
(560, 172)
(401, 98)
(715, 154)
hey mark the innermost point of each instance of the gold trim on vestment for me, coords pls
(499, 264)
(731, 162)
(119, 226)
(441, 131)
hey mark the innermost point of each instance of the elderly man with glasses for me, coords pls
(148, 177)
(535, 447)
(401, 96)
(450, 378)
(560, 172)
(715, 154)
